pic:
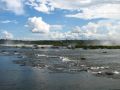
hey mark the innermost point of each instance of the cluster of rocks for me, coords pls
(53, 63)
(72, 66)
(63, 64)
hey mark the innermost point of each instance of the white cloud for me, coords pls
(110, 11)
(101, 30)
(56, 27)
(36, 24)
(6, 21)
(56, 36)
(106, 7)
(77, 29)
(78, 4)
(91, 9)
(104, 29)
(15, 6)
(46, 6)
(41, 6)
(6, 35)
(9, 21)
(69, 4)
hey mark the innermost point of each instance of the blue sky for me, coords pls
(59, 19)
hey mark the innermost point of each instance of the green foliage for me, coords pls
(86, 44)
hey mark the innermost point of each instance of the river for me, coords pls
(16, 77)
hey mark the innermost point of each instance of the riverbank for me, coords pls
(59, 47)
(69, 44)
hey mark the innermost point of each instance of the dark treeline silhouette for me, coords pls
(52, 42)
(86, 44)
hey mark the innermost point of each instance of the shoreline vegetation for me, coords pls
(57, 44)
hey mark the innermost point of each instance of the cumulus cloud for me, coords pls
(104, 29)
(15, 6)
(101, 30)
(37, 25)
(6, 35)
(64, 36)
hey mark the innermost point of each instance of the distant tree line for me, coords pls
(85, 44)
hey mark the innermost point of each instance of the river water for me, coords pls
(17, 77)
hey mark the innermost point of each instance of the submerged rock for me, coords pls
(5, 52)
(108, 74)
(104, 52)
(83, 58)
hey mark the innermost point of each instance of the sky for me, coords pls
(60, 19)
